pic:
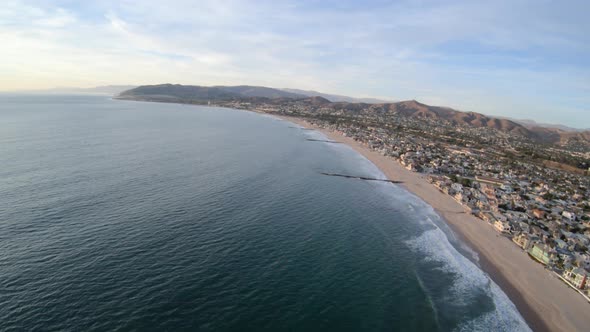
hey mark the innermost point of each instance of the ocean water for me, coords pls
(119, 215)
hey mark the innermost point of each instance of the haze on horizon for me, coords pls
(521, 59)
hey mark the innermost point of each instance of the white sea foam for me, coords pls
(269, 116)
(435, 246)
(505, 317)
(468, 281)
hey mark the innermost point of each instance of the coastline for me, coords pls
(545, 302)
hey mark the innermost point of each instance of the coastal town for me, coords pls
(543, 208)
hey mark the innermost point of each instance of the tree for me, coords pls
(466, 182)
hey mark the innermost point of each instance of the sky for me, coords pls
(521, 59)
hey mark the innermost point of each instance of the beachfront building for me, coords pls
(525, 240)
(577, 277)
(542, 253)
(502, 226)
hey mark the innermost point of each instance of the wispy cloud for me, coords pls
(522, 58)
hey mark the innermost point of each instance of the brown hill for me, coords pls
(416, 109)
(412, 108)
(317, 100)
(579, 136)
(481, 120)
(579, 139)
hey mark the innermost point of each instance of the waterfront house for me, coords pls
(577, 276)
(502, 226)
(542, 253)
(525, 240)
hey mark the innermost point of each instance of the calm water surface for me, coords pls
(118, 215)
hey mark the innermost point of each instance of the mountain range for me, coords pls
(410, 108)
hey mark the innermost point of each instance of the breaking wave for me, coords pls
(440, 251)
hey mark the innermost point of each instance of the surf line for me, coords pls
(359, 177)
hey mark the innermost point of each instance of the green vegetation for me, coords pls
(466, 182)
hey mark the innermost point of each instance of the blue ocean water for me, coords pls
(119, 215)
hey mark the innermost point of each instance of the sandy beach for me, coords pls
(546, 303)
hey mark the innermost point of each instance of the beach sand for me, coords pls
(546, 303)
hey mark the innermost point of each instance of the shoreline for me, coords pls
(546, 303)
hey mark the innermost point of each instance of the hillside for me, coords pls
(480, 120)
(412, 108)
(186, 93)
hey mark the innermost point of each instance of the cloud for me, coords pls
(501, 57)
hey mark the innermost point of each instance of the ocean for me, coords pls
(121, 215)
